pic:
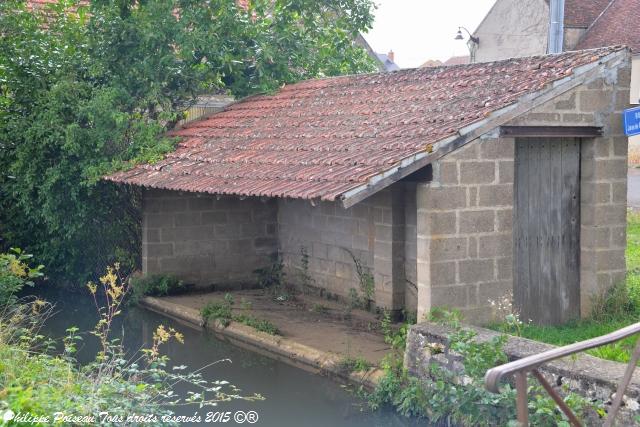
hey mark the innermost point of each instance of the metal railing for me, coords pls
(522, 367)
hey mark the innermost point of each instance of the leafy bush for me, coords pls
(86, 93)
(460, 397)
(15, 274)
(156, 285)
(221, 311)
(36, 381)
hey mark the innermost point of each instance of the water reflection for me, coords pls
(293, 397)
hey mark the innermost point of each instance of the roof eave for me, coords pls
(409, 165)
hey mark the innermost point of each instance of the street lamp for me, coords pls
(473, 38)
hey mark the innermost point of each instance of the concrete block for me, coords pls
(470, 151)
(480, 172)
(482, 221)
(443, 273)
(610, 214)
(449, 296)
(594, 101)
(620, 146)
(504, 220)
(151, 235)
(448, 248)
(611, 260)
(472, 247)
(472, 197)
(216, 217)
(448, 173)
(495, 195)
(579, 118)
(566, 102)
(156, 250)
(506, 171)
(158, 220)
(187, 219)
(595, 237)
(474, 271)
(505, 268)
(611, 169)
(500, 148)
(619, 192)
(440, 223)
(262, 243)
(498, 245)
(444, 198)
(201, 203)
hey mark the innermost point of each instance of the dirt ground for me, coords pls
(313, 321)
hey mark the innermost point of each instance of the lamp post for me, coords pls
(473, 43)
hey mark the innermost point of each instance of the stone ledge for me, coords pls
(593, 377)
(277, 347)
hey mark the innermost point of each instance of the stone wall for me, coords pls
(465, 214)
(373, 231)
(597, 379)
(205, 240)
(465, 229)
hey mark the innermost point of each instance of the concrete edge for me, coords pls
(275, 347)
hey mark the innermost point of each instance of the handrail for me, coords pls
(494, 375)
(520, 369)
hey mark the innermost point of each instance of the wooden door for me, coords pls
(547, 229)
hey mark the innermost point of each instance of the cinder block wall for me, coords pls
(465, 229)
(373, 231)
(205, 240)
(465, 214)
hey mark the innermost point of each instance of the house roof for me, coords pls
(388, 63)
(619, 24)
(331, 138)
(582, 13)
(458, 60)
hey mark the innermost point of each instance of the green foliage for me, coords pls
(222, 312)
(86, 93)
(15, 274)
(35, 380)
(460, 397)
(354, 364)
(271, 276)
(366, 282)
(306, 281)
(156, 285)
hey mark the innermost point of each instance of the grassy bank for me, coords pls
(618, 309)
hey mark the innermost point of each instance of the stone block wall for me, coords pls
(465, 229)
(373, 231)
(205, 240)
(465, 214)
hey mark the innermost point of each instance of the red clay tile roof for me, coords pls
(322, 138)
(618, 25)
(582, 13)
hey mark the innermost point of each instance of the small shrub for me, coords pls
(15, 274)
(459, 398)
(365, 280)
(271, 276)
(354, 364)
(155, 285)
(222, 312)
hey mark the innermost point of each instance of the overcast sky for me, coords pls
(418, 30)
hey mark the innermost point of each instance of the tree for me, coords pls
(85, 90)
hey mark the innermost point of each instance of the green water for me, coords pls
(294, 397)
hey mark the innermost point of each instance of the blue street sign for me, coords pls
(632, 121)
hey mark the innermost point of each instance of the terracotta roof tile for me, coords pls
(582, 13)
(322, 138)
(618, 25)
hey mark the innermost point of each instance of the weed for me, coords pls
(306, 281)
(459, 398)
(354, 364)
(365, 280)
(155, 285)
(320, 308)
(221, 311)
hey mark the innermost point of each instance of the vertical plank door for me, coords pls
(546, 229)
